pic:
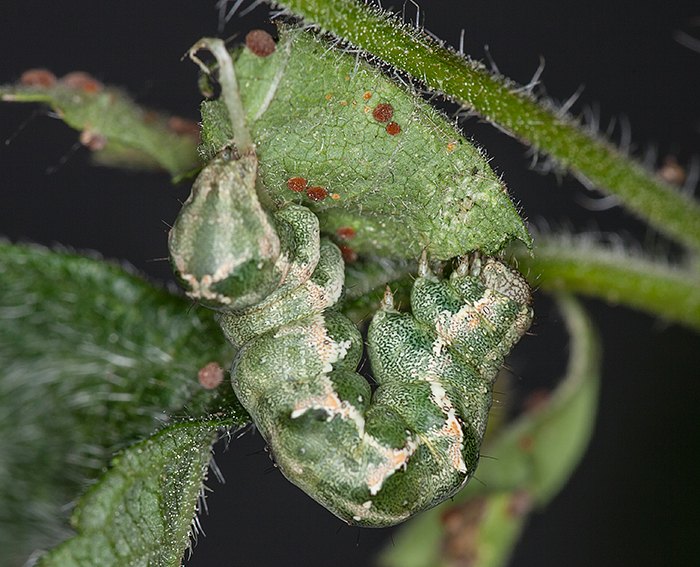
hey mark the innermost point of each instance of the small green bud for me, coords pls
(223, 246)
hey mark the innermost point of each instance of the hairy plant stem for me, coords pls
(514, 110)
(579, 265)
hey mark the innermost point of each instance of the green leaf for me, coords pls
(119, 132)
(93, 358)
(510, 107)
(140, 512)
(532, 460)
(311, 112)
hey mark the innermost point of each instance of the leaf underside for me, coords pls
(93, 358)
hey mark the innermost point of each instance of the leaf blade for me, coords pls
(93, 358)
(118, 131)
(311, 112)
(140, 512)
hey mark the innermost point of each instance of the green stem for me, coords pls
(468, 83)
(579, 265)
(229, 90)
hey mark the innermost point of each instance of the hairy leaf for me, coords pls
(113, 126)
(365, 26)
(140, 512)
(92, 358)
(370, 156)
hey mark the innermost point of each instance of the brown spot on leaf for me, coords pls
(526, 443)
(520, 503)
(296, 184)
(316, 193)
(345, 232)
(383, 112)
(184, 127)
(82, 81)
(38, 78)
(210, 376)
(93, 140)
(461, 532)
(260, 43)
(393, 128)
(349, 255)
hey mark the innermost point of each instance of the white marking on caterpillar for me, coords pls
(394, 459)
(343, 471)
(418, 440)
(332, 406)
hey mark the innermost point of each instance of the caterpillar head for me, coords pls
(223, 246)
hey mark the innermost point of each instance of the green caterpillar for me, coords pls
(373, 459)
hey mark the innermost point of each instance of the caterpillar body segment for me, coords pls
(375, 460)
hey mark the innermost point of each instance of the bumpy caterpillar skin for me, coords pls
(372, 459)
(375, 460)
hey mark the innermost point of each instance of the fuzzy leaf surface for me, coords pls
(312, 113)
(140, 512)
(119, 132)
(93, 357)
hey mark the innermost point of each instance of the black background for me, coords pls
(634, 500)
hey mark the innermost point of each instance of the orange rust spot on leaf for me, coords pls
(526, 443)
(451, 147)
(335, 196)
(383, 112)
(345, 232)
(316, 193)
(93, 140)
(367, 95)
(260, 43)
(393, 128)
(296, 184)
(38, 78)
(183, 126)
(82, 81)
(349, 255)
